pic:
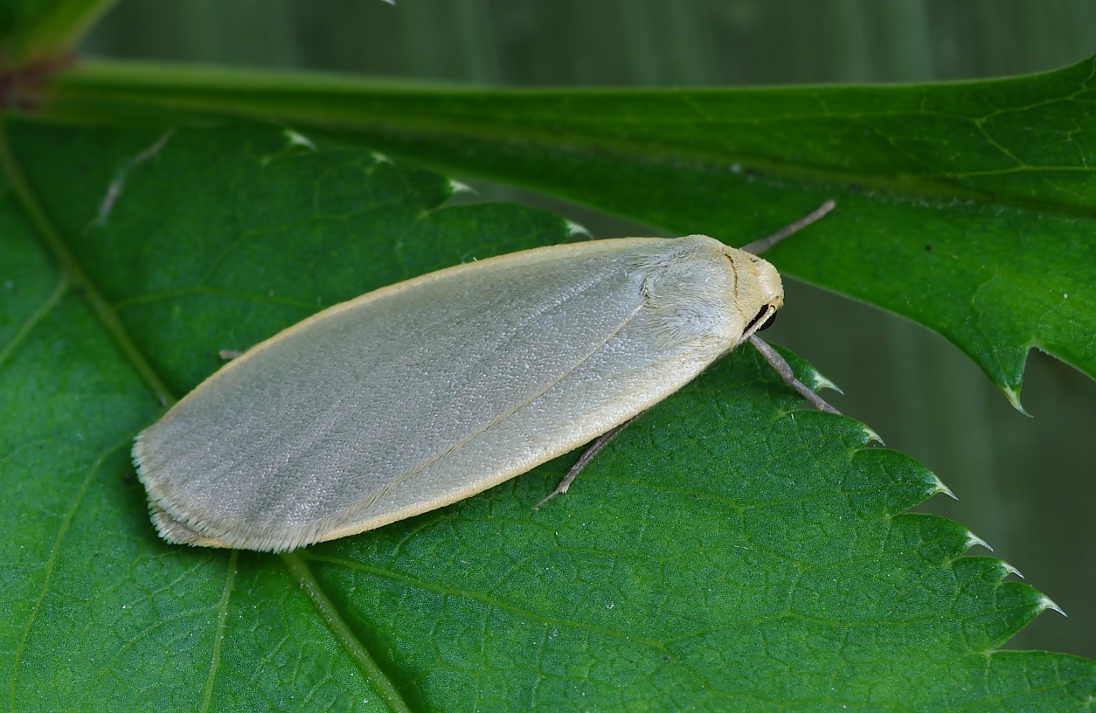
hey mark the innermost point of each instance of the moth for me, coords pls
(426, 392)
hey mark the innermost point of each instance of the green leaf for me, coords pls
(34, 31)
(729, 550)
(966, 207)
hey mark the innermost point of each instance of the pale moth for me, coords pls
(429, 391)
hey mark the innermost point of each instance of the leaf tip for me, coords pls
(939, 487)
(821, 382)
(1046, 602)
(574, 229)
(456, 187)
(871, 436)
(973, 540)
(1012, 393)
(297, 139)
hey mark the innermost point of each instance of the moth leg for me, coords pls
(780, 364)
(588, 455)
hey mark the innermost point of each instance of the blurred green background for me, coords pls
(1025, 485)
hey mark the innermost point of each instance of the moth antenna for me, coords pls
(759, 246)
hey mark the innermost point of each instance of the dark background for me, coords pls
(1025, 484)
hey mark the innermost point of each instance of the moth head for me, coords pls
(768, 294)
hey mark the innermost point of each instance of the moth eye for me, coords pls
(760, 315)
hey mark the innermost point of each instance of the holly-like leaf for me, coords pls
(728, 550)
(36, 34)
(966, 207)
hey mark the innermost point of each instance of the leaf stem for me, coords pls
(102, 309)
(219, 634)
(297, 567)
